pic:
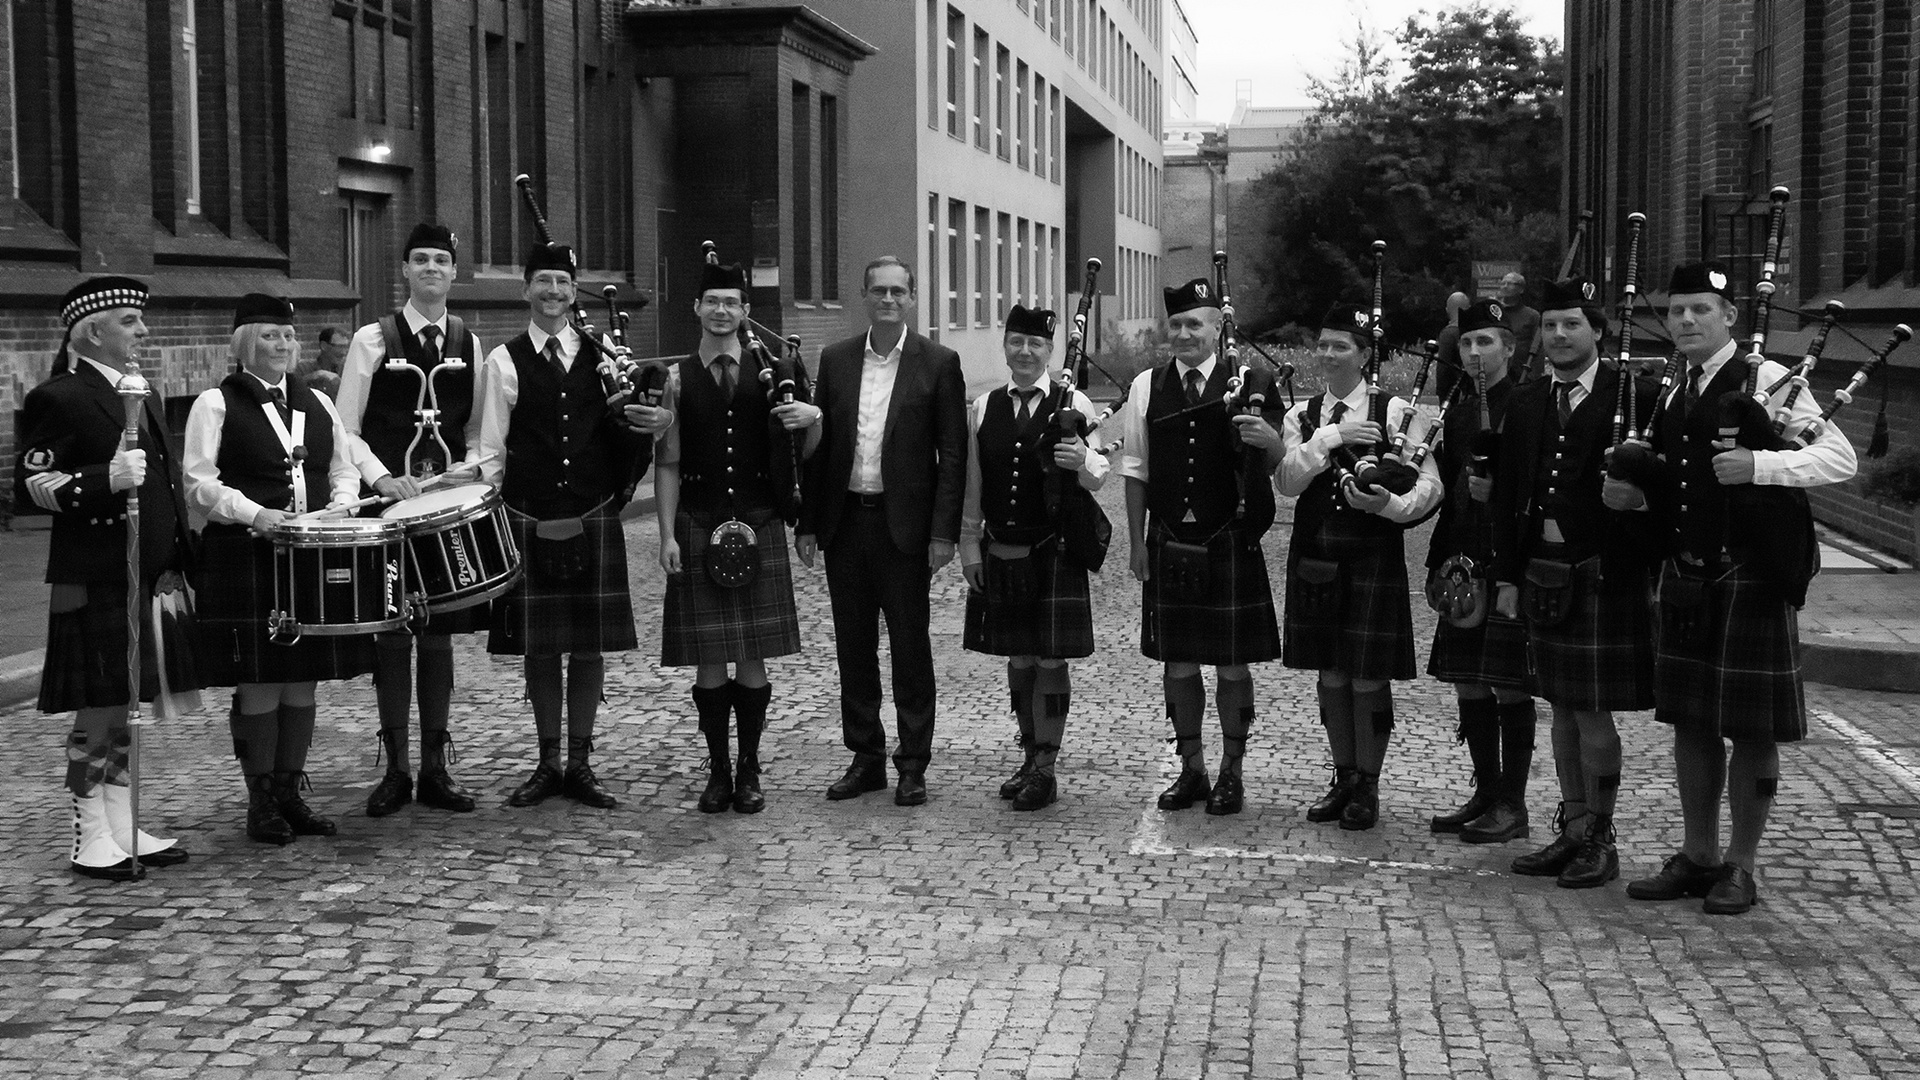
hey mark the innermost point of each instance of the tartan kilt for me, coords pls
(234, 588)
(593, 613)
(1056, 623)
(1600, 658)
(1371, 636)
(1742, 679)
(1234, 624)
(1491, 654)
(703, 623)
(86, 655)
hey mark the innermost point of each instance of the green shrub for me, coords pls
(1894, 478)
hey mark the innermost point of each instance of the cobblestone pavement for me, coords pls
(1098, 938)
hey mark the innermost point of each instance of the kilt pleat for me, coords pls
(86, 654)
(234, 590)
(1056, 622)
(1600, 658)
(1741, 679)
(592, 613)
(704, 623)
(1371, 637)
(1491, 654)
(1233, 624)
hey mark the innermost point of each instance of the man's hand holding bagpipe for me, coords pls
(797, 415)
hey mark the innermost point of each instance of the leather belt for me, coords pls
(868, 500)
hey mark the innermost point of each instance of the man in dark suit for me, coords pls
(883, 501)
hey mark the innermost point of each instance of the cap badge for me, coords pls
(1200, 290)
(1587, 290)
(1717, 279)
(1496, 311)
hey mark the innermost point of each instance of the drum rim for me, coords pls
(342, 532)
(441, 518)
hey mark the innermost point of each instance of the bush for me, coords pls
(1894, 478)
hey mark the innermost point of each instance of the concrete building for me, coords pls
(1260, 138)
(1182, 74)
(1691, 110)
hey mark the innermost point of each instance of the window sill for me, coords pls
(24, 236)
(205, 246)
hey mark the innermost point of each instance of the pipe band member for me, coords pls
(1348, 612)
(72, 465)
(1195, 542)
(1028, 597)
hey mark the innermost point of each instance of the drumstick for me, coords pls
(346, 509)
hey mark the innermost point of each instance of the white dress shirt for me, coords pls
(1829, 460)
(1130, 425)
(499, 391)
(1582, 385)
(210, 500)
(364, 356)
(877, 376)
(1309, 455)
(972, 523)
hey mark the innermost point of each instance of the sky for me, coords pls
(1279, 43)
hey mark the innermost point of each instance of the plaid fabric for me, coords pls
(1491, 654)
(234, 589)
(1056, 623)
(593, 613)
(1234, 624)
(703, 623)
(1600, 659)
(1742, 679)
(1371, 635)
(86, 661)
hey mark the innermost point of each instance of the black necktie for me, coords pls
(1693, 384)
(1563, 392)
(1027, 397)
(430, 344)
(723, 375)
(1339, 412)
(280, 403)
(553, 355)
(1194, 384)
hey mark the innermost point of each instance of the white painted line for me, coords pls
(1890, 762)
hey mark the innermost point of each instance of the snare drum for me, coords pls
(337, 578)
(460, 549)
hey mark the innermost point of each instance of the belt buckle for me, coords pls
(1550, 532)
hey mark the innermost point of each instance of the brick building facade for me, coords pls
(1691, 110)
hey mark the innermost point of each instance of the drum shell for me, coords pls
(459, 556)
(339, 578)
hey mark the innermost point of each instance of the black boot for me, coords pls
(299, 816)
(395, 789)
(1330, 806)
(750, 717)
(1597, 862)
(1363, 806)
(1480, 731)
(579, 783)
(545, 782)
(264, 820)
(1229, 794)
(1018, 780)
(1040, 789)
(719, 793)
(438, 788)
(715, 706)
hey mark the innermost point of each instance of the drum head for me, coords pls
(337, 532)
(732, 556)
(440, 500)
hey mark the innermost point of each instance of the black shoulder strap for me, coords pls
(390, 333)
(1310, 418)
(456, 338)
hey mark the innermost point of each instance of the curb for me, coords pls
(20, 677)
(1854, 664)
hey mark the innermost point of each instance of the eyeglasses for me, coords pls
(727, 304)
(889, 292)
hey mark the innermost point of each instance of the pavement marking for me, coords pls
(1890, 762)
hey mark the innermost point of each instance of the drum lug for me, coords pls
(417, 614)
(286, 628)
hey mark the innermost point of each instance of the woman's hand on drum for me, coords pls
(670, 555)
(397, 487)
(268, 520)
(467, 472)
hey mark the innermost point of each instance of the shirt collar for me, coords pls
(280, 386)
(1014, 389)
(1204, 367)
(893, 354)
(107, 373)
(1355, 400)
(416, 321)
(567, 337)
(1714, 362)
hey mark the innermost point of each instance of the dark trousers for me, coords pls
(868, 576)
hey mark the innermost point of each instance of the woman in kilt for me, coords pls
(1194, 525)
(1487, 664)
(721, 461)
(262, 447)
(1348, 613)
(1027, 597)
(1577, 573)
(565, 463)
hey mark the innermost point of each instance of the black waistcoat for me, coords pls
(1192, 455)
(1462, 528)
(724, 446)
(251, 459)
(1571, 468)
(1013, 473)
(1685, 439)
(388, 423)
(1324, 526)
(560, 452)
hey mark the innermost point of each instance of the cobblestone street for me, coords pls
(1097, 938)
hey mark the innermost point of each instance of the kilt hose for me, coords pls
(1367, 631)
(1600, 657)
(86, 655)
(1233, 624)
(1055, 622)
(235, 592)
(590, 612)
(1739, 673)
(1491, 654)
(704, 623)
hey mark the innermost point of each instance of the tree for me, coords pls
(1453, 157)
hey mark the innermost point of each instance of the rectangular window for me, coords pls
(262, 108)
(1002, 62)
(1068, 43)
(980, 88)
(209, 33)
(956, 263)
(801, 172)
(982, 266)
(933, 266)
(956, 82)
(1002, 263)
(44, 147)
(1054, 152)
(933, 64)
(1054, 266)
(829, 197)
(1042, 268)
(499, 199)
(1023, 259)
(1039, 141)
(1053, 17)
(1020, 114)
(162, 183)
(603, 171)
(1762, 49)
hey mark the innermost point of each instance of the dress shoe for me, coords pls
(1505, 820)
(1480, 803)
(911, 790)
(1363, 806)
(124, 870)
(441, 791)
(1549, 861)
(1679, 877)
(394, 791)
(1018, 780)
(153, 851)
(860, 779)
(1227, 797)
(95, 854)
(1596, 863)
(264, 820)
(1039, 790)
(1192, 787)
(544, 784)
(1733, 893)
(1329, 807)
(746, 788)
(719, 793)
(299, 816)
(580, 785)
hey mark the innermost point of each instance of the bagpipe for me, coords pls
(1250, 388)
(785, 377)
(1084, 529)
(1630, 454)
(1350, 462)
